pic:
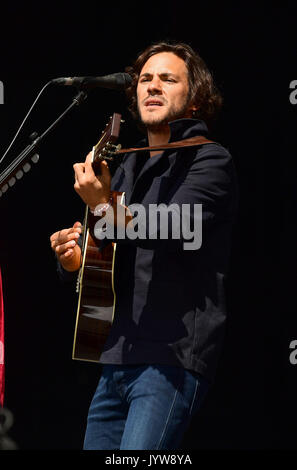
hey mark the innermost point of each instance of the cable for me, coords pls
(26, 117)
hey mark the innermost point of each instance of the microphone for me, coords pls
(115, 81)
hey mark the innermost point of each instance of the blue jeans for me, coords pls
(142, 407)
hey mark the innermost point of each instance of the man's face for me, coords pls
(163, 90)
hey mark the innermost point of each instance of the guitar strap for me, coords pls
(190, 142)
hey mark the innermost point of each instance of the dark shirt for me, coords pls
(170, 302)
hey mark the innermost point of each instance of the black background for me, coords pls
(251, 49)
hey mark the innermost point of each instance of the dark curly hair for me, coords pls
(202, 90)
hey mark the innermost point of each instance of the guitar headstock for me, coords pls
(106, 148)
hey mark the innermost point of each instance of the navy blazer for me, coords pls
(170, 302)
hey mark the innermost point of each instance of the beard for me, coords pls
(154, 123)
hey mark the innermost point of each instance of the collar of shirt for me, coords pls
(182, 129)
(185, 128)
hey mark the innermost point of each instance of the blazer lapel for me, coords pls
(149, 166)
(128, 168)
(167, 166)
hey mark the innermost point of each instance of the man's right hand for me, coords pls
(64, 244)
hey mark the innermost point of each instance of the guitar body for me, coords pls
(96, 298)
(96, 295)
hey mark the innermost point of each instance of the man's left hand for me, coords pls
(93, 189)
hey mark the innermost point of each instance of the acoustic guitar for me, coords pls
(96, 296)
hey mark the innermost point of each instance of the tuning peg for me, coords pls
(4, 188)
(115, 148)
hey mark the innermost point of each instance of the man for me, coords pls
(169, 320)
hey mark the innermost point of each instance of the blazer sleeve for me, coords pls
(211, 182)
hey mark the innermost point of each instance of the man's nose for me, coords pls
(154, 86)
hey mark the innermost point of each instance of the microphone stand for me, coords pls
(17, 166)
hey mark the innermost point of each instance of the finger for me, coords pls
(105, 175)
(53, 243)
(68, 253)
(88, 165)
(74, 230)
(54, 236)
(77, 227)
(71, 236)
(62, 248)
(79, 172)
(63, 236)
(104, 168)
(79, 168)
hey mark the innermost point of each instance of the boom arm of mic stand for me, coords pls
(7, 177)
(78, 99)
